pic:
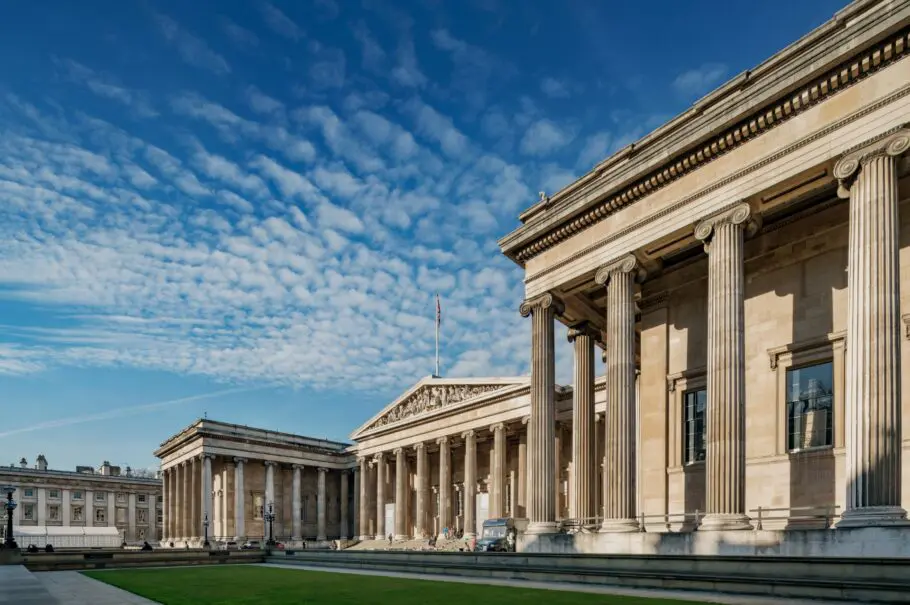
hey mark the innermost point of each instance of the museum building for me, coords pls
(741, 269)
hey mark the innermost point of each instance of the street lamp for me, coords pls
(270, 517)
(9, 542)
(205, 525)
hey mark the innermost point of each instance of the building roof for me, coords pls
(15, 471)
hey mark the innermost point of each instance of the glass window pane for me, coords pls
(810, 406)
(695, 403)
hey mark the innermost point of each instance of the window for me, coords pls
(695, 403)
(160, 517)
(121, 516)
(141, 498)
(53, 513)
(142, 516)
(100, 515)
(258, 501)
(28, 512)
(28, 493)
(306, 504)
(100, 496)
(810, 403)
(77, 514)
(121, 498)
(77, 495)
(54, 494)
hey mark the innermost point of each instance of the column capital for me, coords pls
(738, 214)
(298, 467)
(468, 434)
(443, 441)
(239, 460)
(542, 302)
(346, 471)
(584, 328)
(208, 456)
(398, 451)
(623, 264)
(322, 470)
(894, 143)
(499, 426)
(418, 447)
(525, 420)
(269, 463)
(378, 457)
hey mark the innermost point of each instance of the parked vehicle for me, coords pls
(499, 535)
(251, 545)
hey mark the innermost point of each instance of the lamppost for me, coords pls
(205, 525)
(270, 517)
(10, 505)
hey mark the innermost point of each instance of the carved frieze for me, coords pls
(431, 398)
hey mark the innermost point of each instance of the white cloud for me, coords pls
(553, 88)
(240, 35)
(437, 127)
(696, 82)
(104, 86)
(262, 103)
(279, 22)
(373, 57)
(595, 150)
(331, 216)
(544, 137)
(407, 71)
(193, 50)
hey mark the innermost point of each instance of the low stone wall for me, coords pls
(865, 542)
(867, 579)
(92, 559)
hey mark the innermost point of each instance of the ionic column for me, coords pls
(869, 177)
(522, 511)
(619, 278)
(584, 467)
(320, 505)
(355, 531)
(343, 496)
(401, 494)
(541, 426)
(364, 499)
(445, 484)
(195, 490)
(470, 484)
(423, 488)
(183, 506)
(295, 503)
(270, 485)
(380, 497)
(498, 469)
(725, 458)
(165, 502)
(239, 513)
(206, 496)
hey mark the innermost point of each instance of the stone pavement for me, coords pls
(73, 588)
(18, 585)
(682, 595)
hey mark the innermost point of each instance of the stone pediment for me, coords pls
(432, 394)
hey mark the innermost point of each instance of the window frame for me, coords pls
(77, 509)
(77, 495)
(678, 384)
(789, 417)
(258, 511)
(141, 499)
(830, 347)
(103, 512)
(28, 492)
(28, 512)
(53, 494)
(53, 508)
(684, 413)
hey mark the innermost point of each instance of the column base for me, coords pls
(321, 538)
(542, 527)
(380, 537)
(619, 526)
(401, 537)
(873, 516)
(364, 538)
(724, 522)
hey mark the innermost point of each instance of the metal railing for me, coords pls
(805, 515)
(798, 516)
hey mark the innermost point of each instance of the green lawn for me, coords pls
(255, 585)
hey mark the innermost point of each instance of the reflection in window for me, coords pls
(695, 403)
(258, 506)
(810, 401)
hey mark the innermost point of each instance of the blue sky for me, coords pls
(244, 209)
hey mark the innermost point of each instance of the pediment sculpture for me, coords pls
(432, 398)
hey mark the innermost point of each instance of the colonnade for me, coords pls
(868, 177)
(190, 500)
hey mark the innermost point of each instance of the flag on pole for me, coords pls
(438, 311)
(438, 320)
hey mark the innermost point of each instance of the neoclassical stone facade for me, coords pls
(229, 474)
(748, 262)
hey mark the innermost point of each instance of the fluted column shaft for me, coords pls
(522, 509)
(207, 492)
(423, 487)
(584, 467)
(725, 458)
(541, 425)
(619, 491)
(470, 484)
(184, 502)
(296, 504)
(320, 504)
(380, 497)
(195, 490)
(498, 470)
(445, 484)
(873, 394)
(364, 499)
(343, 496)
(239, 500)
(401, 494)
(358, 497)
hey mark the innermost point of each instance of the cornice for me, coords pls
(817, 90)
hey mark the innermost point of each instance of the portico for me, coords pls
(742, 267)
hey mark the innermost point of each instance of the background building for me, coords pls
(84, 507)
